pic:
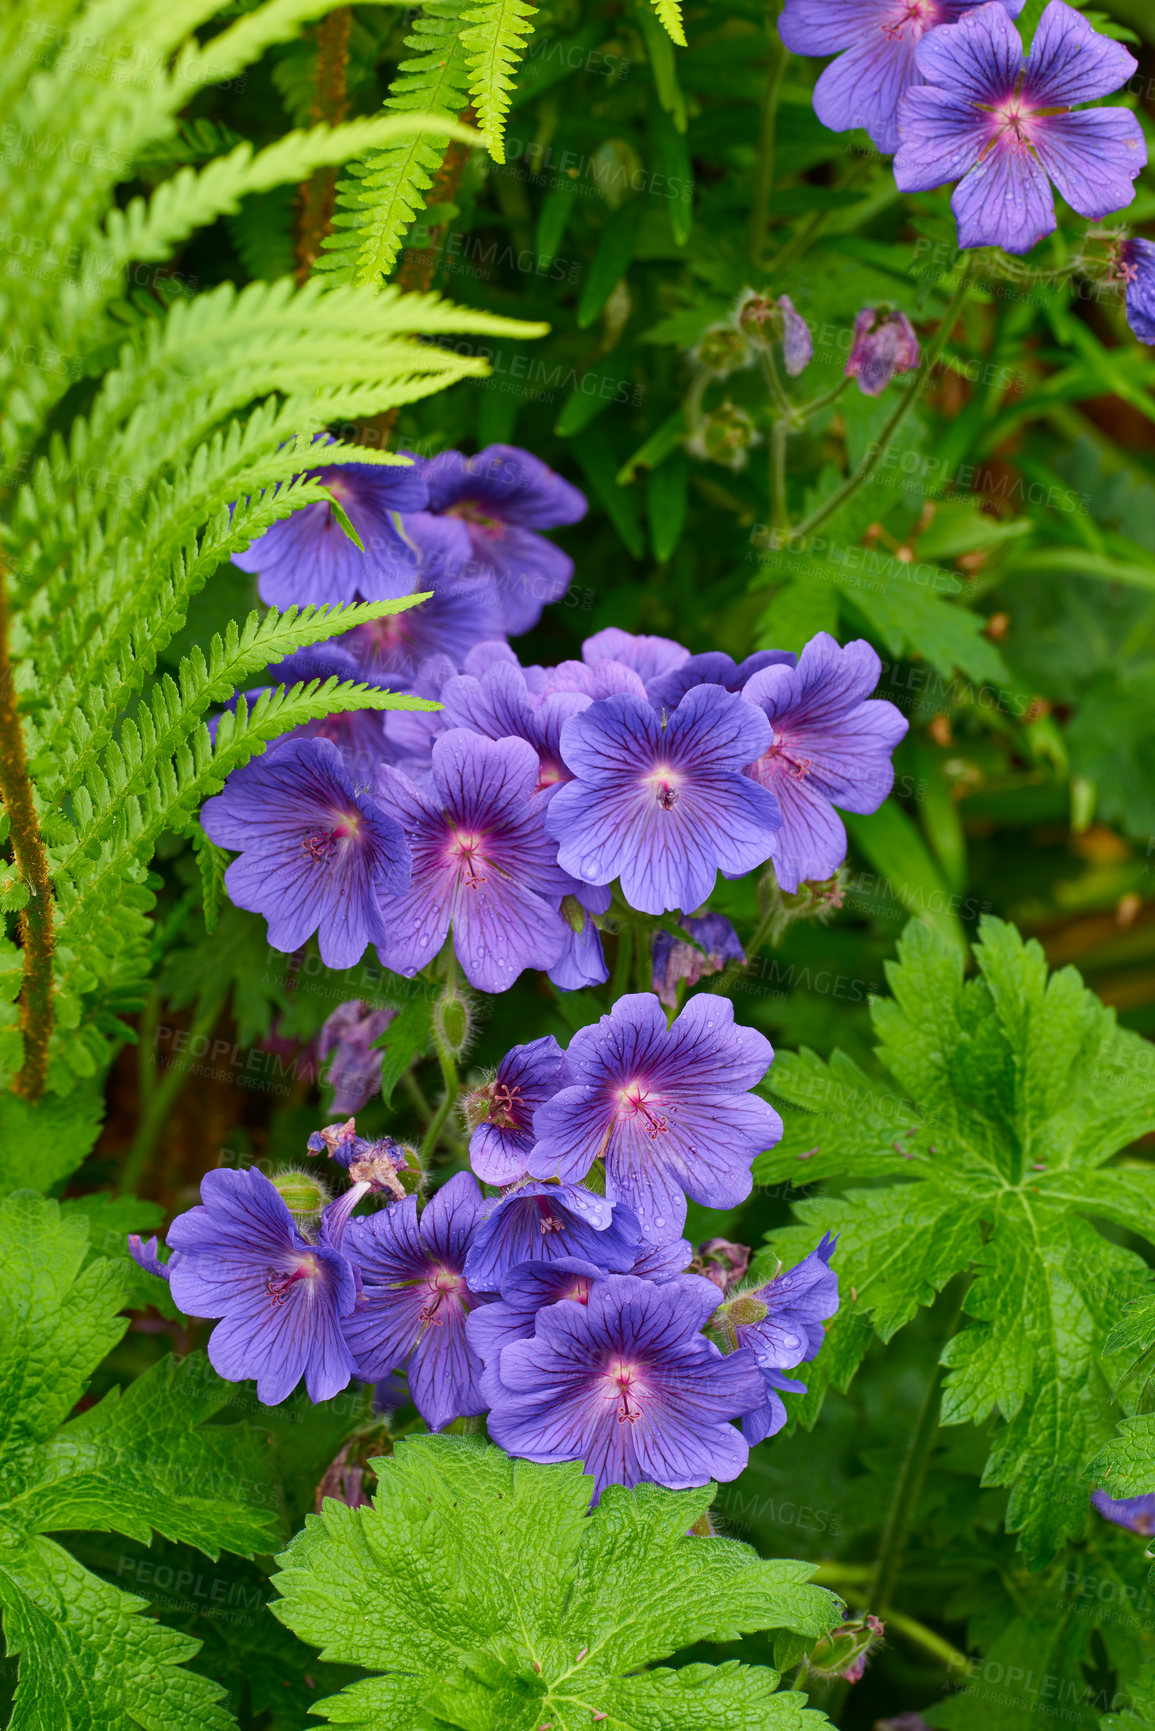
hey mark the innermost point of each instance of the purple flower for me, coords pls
(797, 342)
(500, 705)
(500, 1113)
(675, 960)
(1137, 1513)
(482, 864)
(1001, 126)
(481, 522)
(627, 1384)
(349, 1036)
(280, 1298)
(884, 344)
(416, 1299)
(404, 650)
(668, 1109)
(314, 855)
(307, 559)
(791, 1333)
(1136, 268)
(648, 657)
(830, 747)
(659, 800)
(539, 1222)
(582, 962)
(713, 668)
(662, 1261)
(524, 1291)
(875, 41)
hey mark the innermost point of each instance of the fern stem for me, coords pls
(330, 105)
(37, 918)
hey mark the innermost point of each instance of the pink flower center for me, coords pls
(783, 759)
(471, 512)
(547, 1219)
(444, 1287)
(504, 1102)
(664, 782)
(278, 1286)
(632, 1103)
(465, 853)
(322, 844)
(626, 1380)
(915, 16)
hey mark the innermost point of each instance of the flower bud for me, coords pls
(884, 344)
(723, 1263)
(727, 435)
(303, 1195)
(723, 350)
(742, 1312)
(574, 914)
(452, 1022)
(844, 1652)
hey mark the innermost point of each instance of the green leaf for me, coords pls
(611, 261)
(494, 43)
(1139, 1714)
(42, 1145)
(666, 504)
(891, 842)
(492, 1600)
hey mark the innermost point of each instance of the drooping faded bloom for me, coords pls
(796, 1304)
(627, 1384)
(500, 1113)
(537, 1222)
(875, 41)
(347, 1039)
(1136, 268)
(416, 1299)
(280, 1297)
(314, 855)
(483, 865)
(309, 559)
(832, 746)
(658, 799)
(1137, 1513)
(676, 961)
(668, 1109)
(884, 344)
(1005, 128)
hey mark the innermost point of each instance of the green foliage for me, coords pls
(988, 1152)
(489, 1600)
(494, 43)
(136, 1461)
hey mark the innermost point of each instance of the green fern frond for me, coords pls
(494, 45)
(383, 192)
(670, 14)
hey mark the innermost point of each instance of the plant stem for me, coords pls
(764, 179)
(37, 918)
(936, 1645)
(441, 1116)
(779, 511)
(909, 398)
(416, 1095)
(163, 1097)
(330, 104)
(806, 410)
(622, 962)
(907, 1490)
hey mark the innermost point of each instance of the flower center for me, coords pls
(278, 1286)
(504, 1103)
(322, 844)
(626, 1381)
(547, 1219)
(465, 853)
(471, 511)
(664, 783)
(781, 759)
(917, 16)
(632, 1103)
(443, 1285)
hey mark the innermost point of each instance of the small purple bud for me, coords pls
(723, 1263)
(884, 344)
(797, 343)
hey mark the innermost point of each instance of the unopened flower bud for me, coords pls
(727, 435)
(303, 1195)
(723, 350)
(844, 1652)
(452, 1022)
(573, 914)
(884, 344)
(742, 1312)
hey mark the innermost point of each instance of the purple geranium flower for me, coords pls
(314, 855)
(668, 1109)
(280, 1298)
(713, 668)
(482, 864)
(1001, 126)
(1137, 1513)
(884, 344)
(1136, 268)
(830, 747)
(525, 1290)
(348, 1036)
(404, 650)
(416, 1299)
(664, 1260)
(628, 1385)
(307, 559)
(481, 522)
(539, 1222)
(500, 1113)
(659, 801)
(791, 1333)
(583, 961)
(648, 657)
(500, 705)
(875, 41)
(675, 960)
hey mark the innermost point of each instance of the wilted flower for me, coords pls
(677, 962)
(884, 344)
(347, 1038)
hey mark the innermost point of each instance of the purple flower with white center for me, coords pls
(676, 961)
(483, 865)
(667, 1108)
(500, 706)
(404, 650)
(500, 1113)
(1137, 1513)
(648, 657)
(348, 1037)
(416, 1299)
(308, 559)
(1136, 268)
(713, 668)
(1004, 128)
(659, 800)
(791, 1333)
(831, 747)
(280, 1298)
(481, 524)
(537, 1222)
(583, 961)
(628, 1385)
(884, 344)
(314, 855)
(875, 41)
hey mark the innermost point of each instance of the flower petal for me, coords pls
(1093, 157)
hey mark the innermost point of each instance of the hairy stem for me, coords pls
(930, 359)
(442, 1115)
(37, 921)
(330, 104)
(163, 1098)
(764, 178)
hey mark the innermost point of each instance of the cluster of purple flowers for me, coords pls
(945, 85)
(562, 1303)
(506, 817)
